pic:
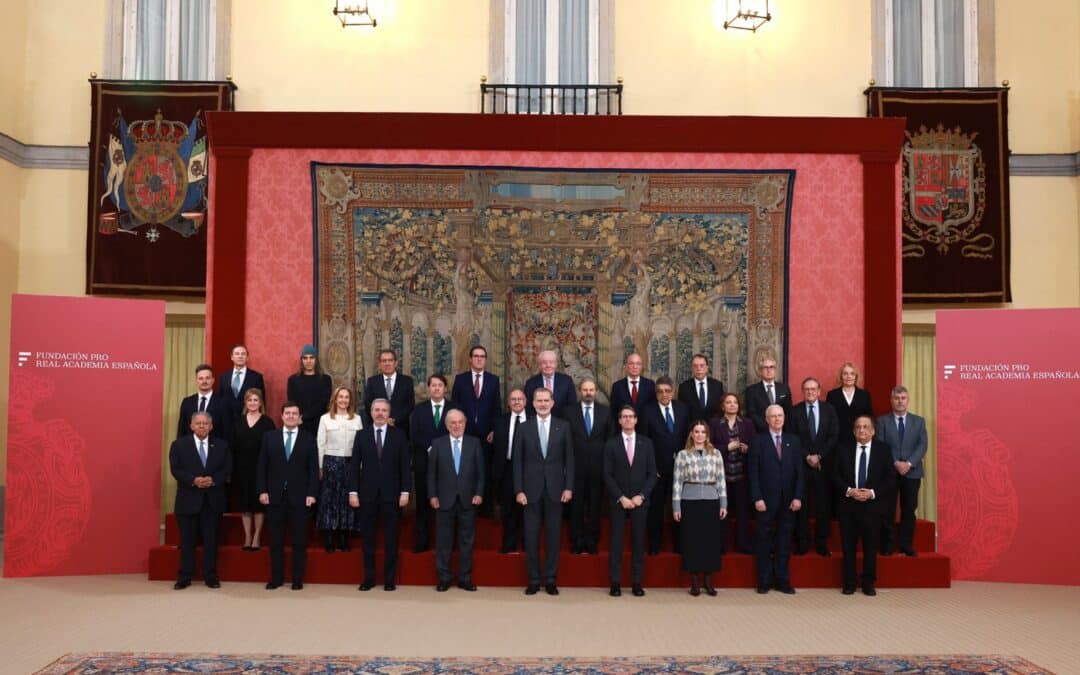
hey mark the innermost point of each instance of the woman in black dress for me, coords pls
(731, 435)
(849, 400)
(310, 389)
(699, 502)
(246, 441)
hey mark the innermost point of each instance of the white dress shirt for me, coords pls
(336, 435)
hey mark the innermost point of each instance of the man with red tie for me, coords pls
(634, 389)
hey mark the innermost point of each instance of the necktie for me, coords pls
(202, 404)
(772, 394)
(438, 415)
(633, 392)
(202, 452)
(514, 422)
(548, 384)
(900, 429)
(389, 387)
(588, 419)
(457, 455)
(236, 382)
(476, 385)
(779, 449)
(543, 438)
(860, 481)
(288, 444)
(669, 419)
(811, 420)
(630, 450)
(701, 394)
(378, 442)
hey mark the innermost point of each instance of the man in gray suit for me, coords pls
(905, 433)
(455, 482)
(543, 465)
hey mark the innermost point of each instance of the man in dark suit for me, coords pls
(590, 427)
(455, 481)
(427, 422)
(863, 477)
(634, 389)
(768, 391)
(560, 385)
(815, 423)
(201, 466)
(395, 387)
(476, 393)
(205, 400)
(543, 467)
(666, 422)
(905, 434)
(776, 479)
(630, 477)
(234, 382)
(701, 393)
(510, 512)
(287, 480)
(379, 486)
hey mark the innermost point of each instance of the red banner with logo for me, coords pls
(84, 435)
(1008, 472)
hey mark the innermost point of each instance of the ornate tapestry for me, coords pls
(591, 264)
(148, 185)
(955, 208)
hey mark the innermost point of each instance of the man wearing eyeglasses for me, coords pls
(769, 391)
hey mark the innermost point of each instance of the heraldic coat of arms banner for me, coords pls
(148, 184)
(955, 214)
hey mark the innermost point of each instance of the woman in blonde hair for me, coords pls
(337, 429)
(246, 442)
(699, 502)
(849, 400)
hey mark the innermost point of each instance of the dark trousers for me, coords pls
(510, 513)
(487, 506)
(772, 545)
(204, 523)
(548, 512)
(637, 518)
(423, 501)
(857, 522)
(585, 506)
(907, 489)
(372, 514)
(819, 488)
(739, 506)
(458, 518)
(659, 503)
(297, 517)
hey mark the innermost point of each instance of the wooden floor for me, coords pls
(44, 618)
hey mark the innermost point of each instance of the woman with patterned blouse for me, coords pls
(731, 434)
(699, 502)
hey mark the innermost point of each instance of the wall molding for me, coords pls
(1067, 164)
(43, 156)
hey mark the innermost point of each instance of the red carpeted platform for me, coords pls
(928, 570)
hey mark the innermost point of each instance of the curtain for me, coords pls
(185, 348)
(921, 381)
(907, 43)
(150, 19)
(949, 37)
(530, 49)
(574, 50)
(196, 27)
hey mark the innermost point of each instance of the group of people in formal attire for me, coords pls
(693, 451)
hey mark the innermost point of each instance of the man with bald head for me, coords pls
(776, 479)
(560, 385)
(635, 389)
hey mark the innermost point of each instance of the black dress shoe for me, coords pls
(886, 550)
(868, 590)
(551, 589)
(389, 587)
(181, 584)
(638, 591)
(593, 549)
(420, 548)
(909, 552)
(824, 552)
(762, 590)
(442, 586)
(271, 585)
(466, 586)
(801, 550)
(849, 590)
(297, 585)
(615, 591)
(710, 591)
(506, 549)
(786, 589)
(213, 583)
(367, 586)
(532, 589)
(247, 548)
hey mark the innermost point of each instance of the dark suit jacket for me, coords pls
(499, 464)
(564, 393)
(422, 429)
(589, 446)
(879, 478)
(624, 480)
(620, 394)
(252, 379)
(444, 483)
(756, 400)
(401, 403)
(536, 475)
(776, 480)
(846, 414)
(688, 394)
(185, 464)
(221, 413)
(913, 449)
(828, 430)
(666, 444)
(301, 471)
(480, 414)
(375, 479)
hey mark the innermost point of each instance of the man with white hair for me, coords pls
(560, 385)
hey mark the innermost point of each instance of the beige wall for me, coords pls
(11, 179)
(13, 72)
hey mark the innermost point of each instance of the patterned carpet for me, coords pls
(129, 662)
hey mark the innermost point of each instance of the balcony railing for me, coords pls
(551, 99)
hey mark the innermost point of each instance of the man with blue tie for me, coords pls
(201, 465)
(395, 387)
(905, 432)
(476, 393)
(426, 423)
(234, 382)
(666, 422)
(816, 424)
(775, 472)
(205, 399)
(701, 394)
(455, 481)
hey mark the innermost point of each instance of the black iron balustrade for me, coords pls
(551, 99)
